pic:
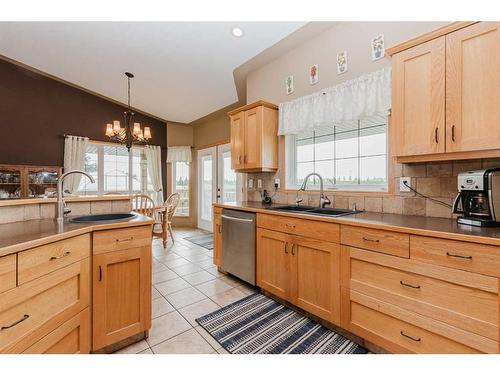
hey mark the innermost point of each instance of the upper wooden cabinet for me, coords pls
(254, 137)
(446, 86)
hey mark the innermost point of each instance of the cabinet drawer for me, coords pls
(121, 239)
(42, 260)
(484, 259)
(439, 295)
(304, 227)
(32, 310)
(72, 337)
(402, 332)
(7, 272)
(382, 241)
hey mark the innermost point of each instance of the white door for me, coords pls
(229, 183)
(207, 168)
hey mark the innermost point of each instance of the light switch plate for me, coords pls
(402, 187)
(250, 183)
(277, 183)
(259, 183)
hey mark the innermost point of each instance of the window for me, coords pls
(115, 170)
(180, 177)
(351, 156)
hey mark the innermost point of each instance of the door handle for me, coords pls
(453, 133)
(436, 135)
(245, 159)
(25, 316)
(293, 248)
(100, 273)
(286, 249)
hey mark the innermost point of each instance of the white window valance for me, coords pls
(352, 100)
(179, 153)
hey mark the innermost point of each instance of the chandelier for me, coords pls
(128, 135)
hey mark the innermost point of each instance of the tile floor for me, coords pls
(186, 286)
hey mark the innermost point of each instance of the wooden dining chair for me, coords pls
(171, 205)
(144, 205)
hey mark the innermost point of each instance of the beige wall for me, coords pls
(268, 82)
(214, 130)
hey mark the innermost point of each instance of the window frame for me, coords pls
(100, 172)
(291, 169)
(174, 168)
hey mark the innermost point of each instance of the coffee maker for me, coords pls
(478, 199)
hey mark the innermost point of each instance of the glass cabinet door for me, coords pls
(10, 182)
(42, 182)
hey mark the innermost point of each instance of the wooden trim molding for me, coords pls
(464, 155)
(446, 29)
(253, 105)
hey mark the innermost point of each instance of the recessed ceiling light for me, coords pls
(237, 32)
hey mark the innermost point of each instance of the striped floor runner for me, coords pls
(259, 325)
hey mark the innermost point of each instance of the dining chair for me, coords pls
(171, 205)
(144, 205)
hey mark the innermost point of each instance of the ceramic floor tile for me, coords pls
(158, 267)
(164, 276)
(213, 287)
(228, 297)
(160, 306)
(222, 351)
(172, 286)
(147, 351)
(134, 348)
(206, 264)
(213, 343)
(247, 289)
(185, 297)
(165, 258)
(167, 326)
(176, 262)
(233, 281)
(155, 293)
(213, 270)
(198, 277)
(190, 342)
(186, 269)
(197, 310)
(197, 257)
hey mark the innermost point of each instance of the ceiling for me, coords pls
(183, 70)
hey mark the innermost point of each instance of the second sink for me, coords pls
(315, 210)
(103, 218)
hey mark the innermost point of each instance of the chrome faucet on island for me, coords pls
(61, 205)
(323, 199)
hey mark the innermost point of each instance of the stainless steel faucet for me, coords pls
(323, 199)
(61, 205)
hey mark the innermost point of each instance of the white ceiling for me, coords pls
(183, 70)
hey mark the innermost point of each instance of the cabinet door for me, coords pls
(315, 269)
(237, 141)
(122, 295)
(473, 88)
(253, 138)
(273, 262)
(218, 241)
(418, 102)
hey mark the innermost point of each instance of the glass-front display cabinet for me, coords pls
(26, 181)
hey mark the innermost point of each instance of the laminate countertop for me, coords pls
(24, 235)
(420, 225)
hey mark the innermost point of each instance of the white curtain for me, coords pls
(74, 158)
(179, 153)
(352, 100)
(153, 159)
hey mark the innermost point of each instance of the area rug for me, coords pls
(259, 325)
(204, 240)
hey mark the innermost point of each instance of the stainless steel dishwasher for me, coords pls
(238, 244)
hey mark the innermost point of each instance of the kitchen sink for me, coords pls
(103, 218)
(316, 210)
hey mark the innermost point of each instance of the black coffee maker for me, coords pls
(478, 199)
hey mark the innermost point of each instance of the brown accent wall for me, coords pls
(36, 111)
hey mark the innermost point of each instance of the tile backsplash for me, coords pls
(437, 180)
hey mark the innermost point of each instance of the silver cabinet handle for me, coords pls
(25, 316)
(65, 254)
(237, 219)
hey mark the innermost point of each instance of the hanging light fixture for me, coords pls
(132, 132)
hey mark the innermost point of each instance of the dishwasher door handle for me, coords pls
(237, 219)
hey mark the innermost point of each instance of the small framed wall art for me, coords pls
(342, 62)
(378, 48)
(289, 85)
(313, 74)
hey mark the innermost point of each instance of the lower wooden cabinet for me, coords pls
(301, 270)
(72, 337)
(217, 237)
(121, 295)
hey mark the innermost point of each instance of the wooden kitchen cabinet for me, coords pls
(217, 236)
(121, 294)
(446, 86)
(254, 137)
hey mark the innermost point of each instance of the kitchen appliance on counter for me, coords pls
(478, 199)
(238, 244)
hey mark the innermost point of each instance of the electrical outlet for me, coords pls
(277, 184)
(402, 186)
(250, 183)
(259, 183)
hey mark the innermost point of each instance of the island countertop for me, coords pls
(419, 225)
(24, 235)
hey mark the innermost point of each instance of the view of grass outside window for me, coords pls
(180, 173)
(351, 156)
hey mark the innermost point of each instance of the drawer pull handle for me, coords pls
(293, 249)
(124, 239)
(371, 239)
(459, 256)
(65, 254)
(409, 337)
(409, 285)
(26, 316)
